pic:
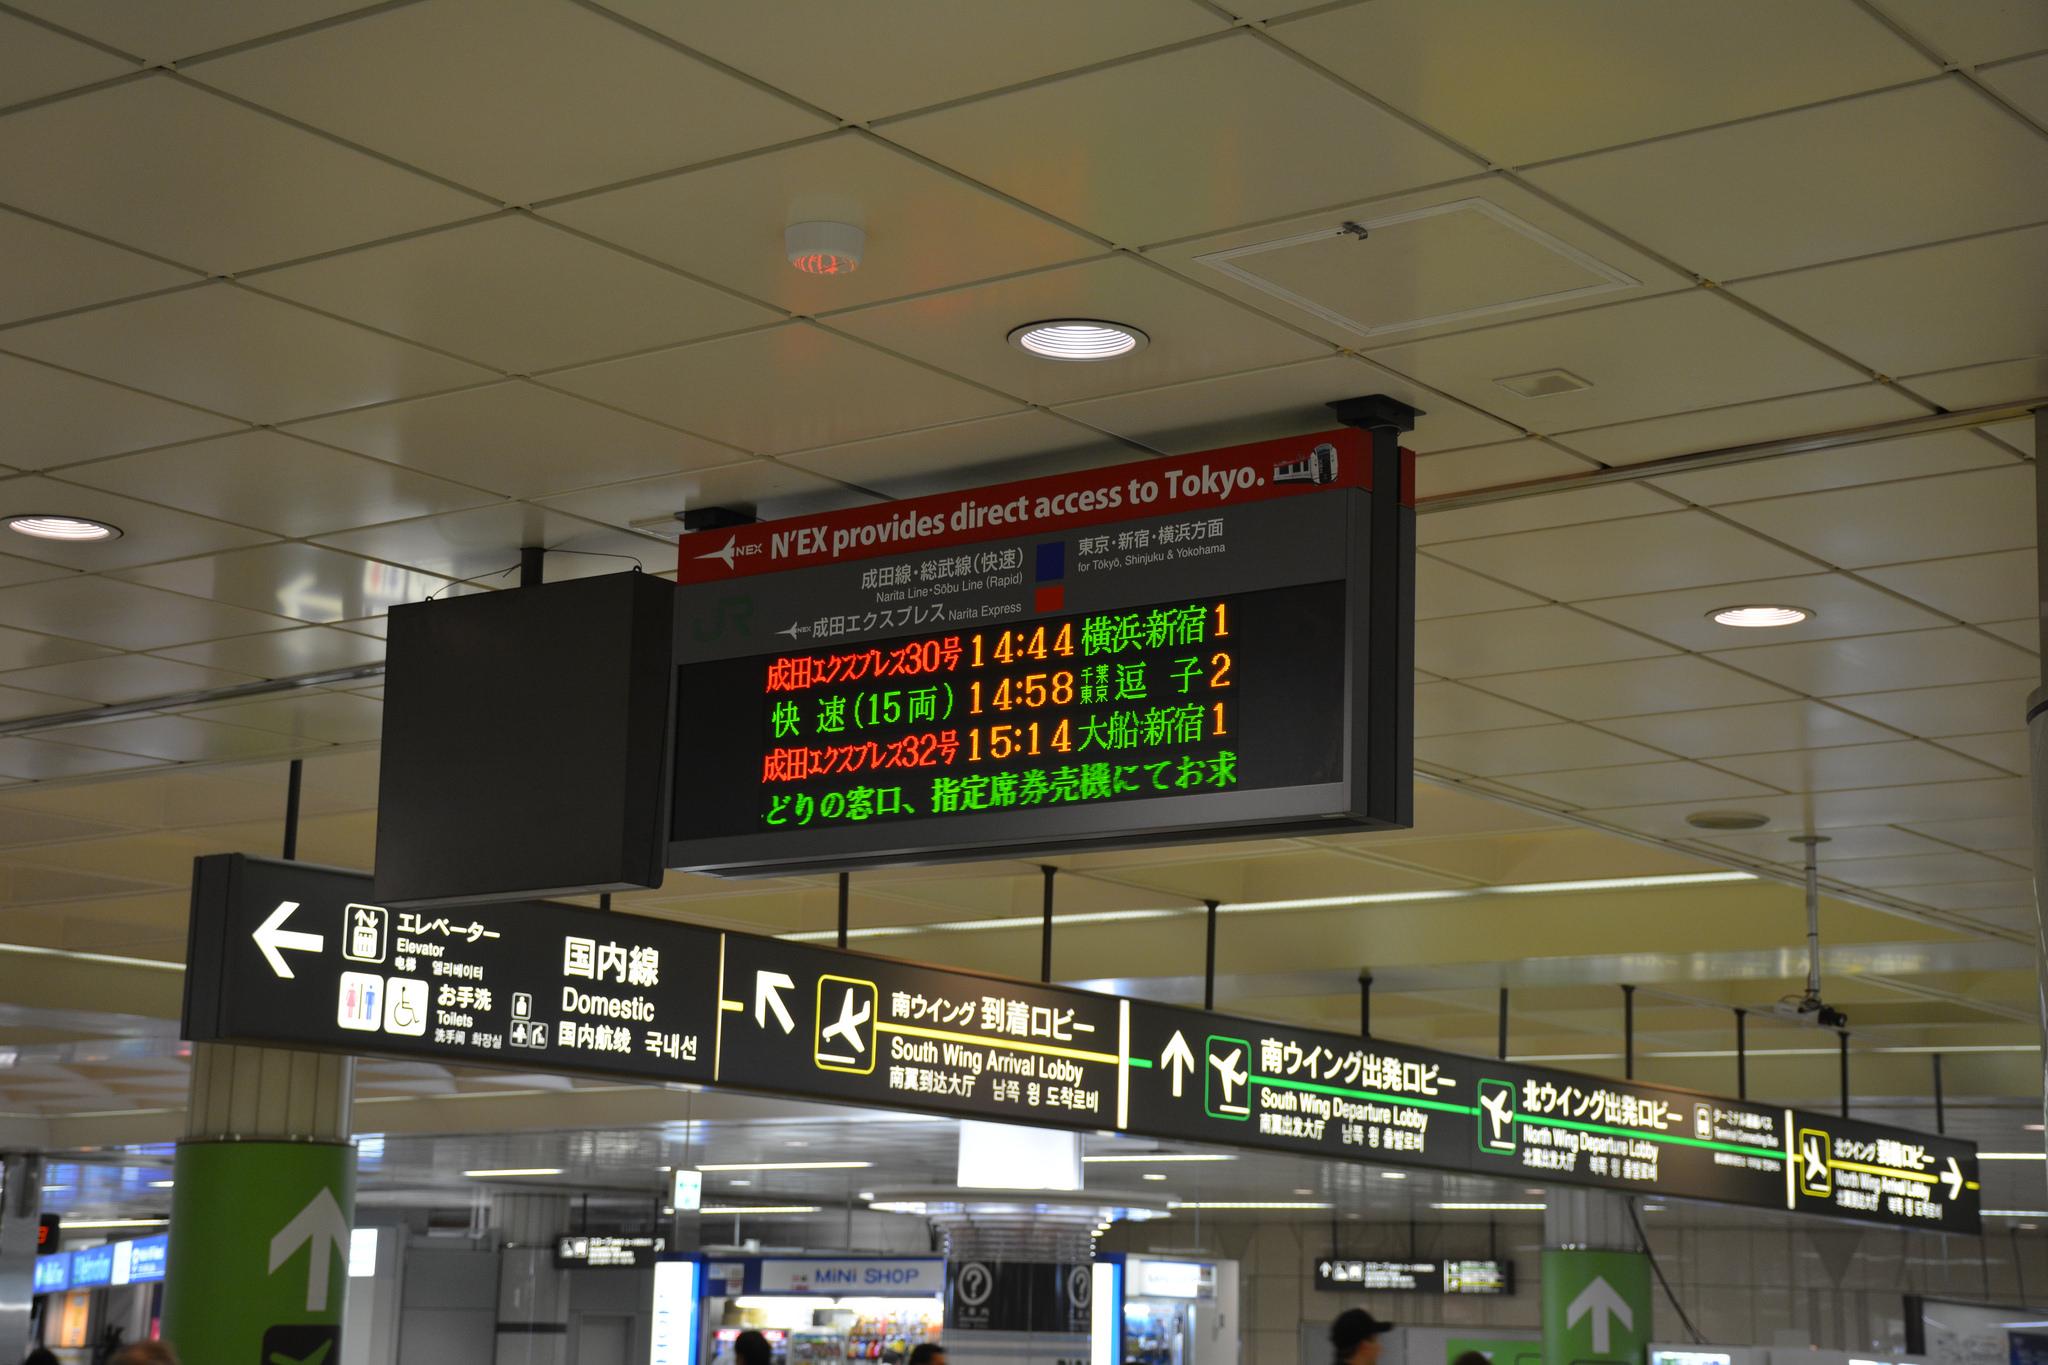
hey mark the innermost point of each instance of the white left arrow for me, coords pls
(271, 935)
(1953, 1178)
(322, 1230)
(1607, 1307)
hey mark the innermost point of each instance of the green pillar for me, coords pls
(1596, 1307)
(260, 1212)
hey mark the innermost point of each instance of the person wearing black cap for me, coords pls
(1355, 1336)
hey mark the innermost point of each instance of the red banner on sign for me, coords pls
(1291, 467)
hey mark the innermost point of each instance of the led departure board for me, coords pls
(296, 956)
(1176, 650)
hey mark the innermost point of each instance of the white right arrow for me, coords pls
(271, 935)
(1178, 1058)
(1599, 1299)
(1953, 1178)
(321, 1228)
(768, 988)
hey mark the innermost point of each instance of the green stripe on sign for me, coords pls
(1138, 1062)
(1365, 1095)
(1611, 1131)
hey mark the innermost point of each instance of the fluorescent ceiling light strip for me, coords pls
(68, 1224)
(2012, 1156)
(1153, 1158)
(1988, 1213)
(104, 959)
(513, 1171)
(1490, 1208)
(784, 1165)
(1252, 1204)
(731, 1210)
(1266, 907)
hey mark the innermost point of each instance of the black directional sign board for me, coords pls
(1350, 1275)
(289, 954)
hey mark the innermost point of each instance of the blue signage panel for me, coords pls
(53, 1273)
(146, 1257)
(92, 1267)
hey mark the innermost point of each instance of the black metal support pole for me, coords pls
(604, 900)
(1845, 1073)
(845, 891)
(1503, 1023)
(1209, 962)
(293, 776)
(1742, 1054)
(1628, 1032)
(1365, 1004)
(1045, 948)
(531, 557)
(1940, 1111)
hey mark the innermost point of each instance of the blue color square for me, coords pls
(1052, 561)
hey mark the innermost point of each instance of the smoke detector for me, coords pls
(825, 248)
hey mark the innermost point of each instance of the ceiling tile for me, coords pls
(34, 760)
(1194, 334)
(516, 294)
(1952, 514)
(176, 739)
(1884, 663)
(122, 678)
(1994, 587)
(1974, 33)
(303, 582)
(1938, 712)
(1444, 708)
(17, 704)
(2014, 433)
(1820, 183)
(522, 99)
(124, 615)
(2011, 834)
(1568, 507)
(14, 570)
(148, 532)
(1907, 457)
(1773, 419)
(1589, 787)
(938, 50)
(1971, 386)
(1716, 731)
(2006, 749)
(515, 438)
(1926, 870)
(1931, 308)
(1017, 445)
(1522, 74)
(1840, 606)
(1634, 687)
(926, 230)
(1542, 748)
(2025, 83)
(1516, 641)
(57, 418)
(23, 649)
(276, 483)
(2026, 633)
(52, 269)
(158, 32)
(1285, 400)
(285, 653)
(1671, 550)
(1867, 843)
(1205, 138)
(235, 351)
(767, 488)
(1855, 765)
(1490, 466)
(485, 542)
(1971, 895)
(330, 717)
(36, 62)
(788, 388)
(1446, 590)
(180, 172)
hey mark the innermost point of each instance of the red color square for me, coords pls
(1049, 598)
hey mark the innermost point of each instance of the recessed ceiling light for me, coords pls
(49, 526)
(1078, 339)
(1154, 1175)
(1760, 617)
(1303, 1189)
(1393, 1175)
(1727, 819)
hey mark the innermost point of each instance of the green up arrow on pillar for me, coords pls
(259, 1252)
(1596, 1307)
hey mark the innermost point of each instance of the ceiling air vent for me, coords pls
(1446, 263)
(1543, 383)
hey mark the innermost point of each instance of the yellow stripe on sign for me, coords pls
(732, 1006)
(1885, 1170)
(1043, 1049)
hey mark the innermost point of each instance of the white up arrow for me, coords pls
(1953, 1178)
(320, 1228)
(768, 988)
(271, 935)
(1599, 1299)
(1180, 1059)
